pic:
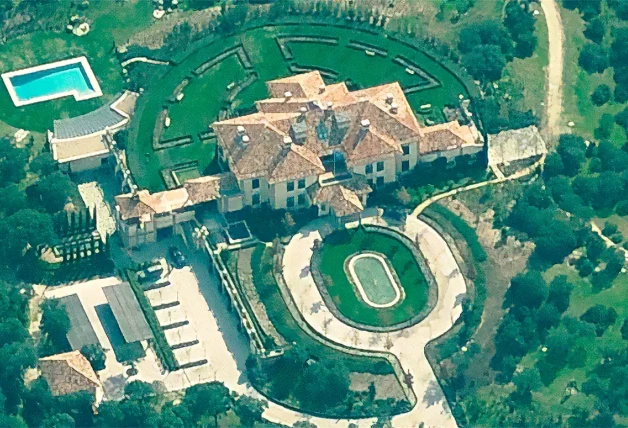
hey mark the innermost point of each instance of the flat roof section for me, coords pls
(81, 331)
(127, 312)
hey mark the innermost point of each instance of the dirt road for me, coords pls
(554, 89)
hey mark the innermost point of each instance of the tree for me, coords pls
(488, 33)
(23, 230)
(485, 63)
(12, 199)
(250, 410)
(593, 58)
(138, 390)
(209, 399)
(624, 330)
(547, 317)
(520, 23)
(621, 119)
(95, 355)
(13, 165)
(558, 344)
(601, 95)
(553, 165)
(559, 293)
(43, 164)
(528, 289)
(325, 385)
(595, 30)
(572, 150)
(403, 196)
(605, 126)
(601, 316)
(595, 247)
(55, 324)
(54, 191)
(525, 382)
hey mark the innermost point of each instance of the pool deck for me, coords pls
(93, 81)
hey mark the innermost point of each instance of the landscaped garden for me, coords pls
(353, 292)
(312, 375)
(224, 77)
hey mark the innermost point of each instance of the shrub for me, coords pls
(593, 58)
(95, 355)
(609, 229)
(601, 95)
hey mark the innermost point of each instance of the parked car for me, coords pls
(177, 257)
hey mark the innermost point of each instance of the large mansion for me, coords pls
(309, 144)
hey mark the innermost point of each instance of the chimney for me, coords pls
(303, 110)
(287, 95)
(240, 130)
(365, 123)
(321, 88)
(245, 139)
(330, 105)
(287, 140)
(389, 98)
(394, 108)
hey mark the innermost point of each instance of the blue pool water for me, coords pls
(52, 82)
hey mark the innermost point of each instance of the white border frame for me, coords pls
(360, 287)
(97, 92)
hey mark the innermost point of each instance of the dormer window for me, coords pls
(245, 139)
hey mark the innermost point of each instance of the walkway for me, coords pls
(519, 174)
(554, 87)
(408, 344)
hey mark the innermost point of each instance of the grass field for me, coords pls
(340, 245)
(111, 23)
(578, 84)
(207, 94)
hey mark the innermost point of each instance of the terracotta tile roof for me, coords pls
(298, 162)
(69, 372)
(143, 205)
(305, 85)
(320, 119)
(343, 197)
(446, 136)
(203, 189)
(370, 143)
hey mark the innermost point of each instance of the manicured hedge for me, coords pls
(162, 348)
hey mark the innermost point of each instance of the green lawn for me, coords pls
(578, 84)
(339, 246)
(206, 95)
(530, 72)
(111, 22)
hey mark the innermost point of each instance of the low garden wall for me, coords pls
(432, 286)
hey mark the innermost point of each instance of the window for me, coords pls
(406, 149)
(290, 186)
(290, 201)
(369, 169)
(256, 199)
(405, 165)
(255, 183)
(370, 180)
(302, 183)
(380, 181)
(301, 200)
(380, 166)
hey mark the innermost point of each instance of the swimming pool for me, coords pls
(72, 77)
